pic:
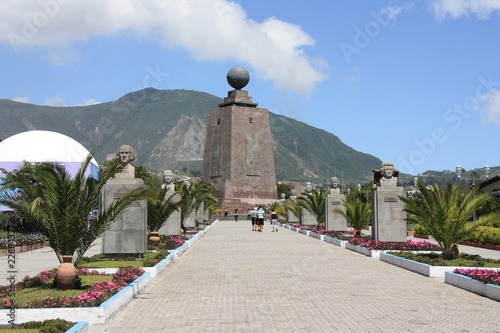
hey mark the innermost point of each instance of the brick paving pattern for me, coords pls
(237, 280)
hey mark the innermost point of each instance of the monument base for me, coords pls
(335, 221)
(245, 203)
(127, 236)
(308, 218)
(291, 218)
(388, 222)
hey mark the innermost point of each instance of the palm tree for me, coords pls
(295, 208)
(58, 204)
(280, 207)
(314, 202)
(447, 215)
(160, 208)
(357, 212)
(193, 196)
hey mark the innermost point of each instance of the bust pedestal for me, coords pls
(172, 225)
(388, 222)
(308, 218)
(333, 221)
(127, 236)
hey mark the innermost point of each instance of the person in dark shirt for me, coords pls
(274, 220)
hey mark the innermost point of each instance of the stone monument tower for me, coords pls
(238, 158)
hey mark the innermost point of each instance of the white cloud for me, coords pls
(89, 101)
(393, 12)
(55, 101)
(21, 99)
(489, 106)
(457, 8)
(207, 29)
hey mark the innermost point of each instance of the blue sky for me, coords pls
(412, 82)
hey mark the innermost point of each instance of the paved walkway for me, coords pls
(236, 280)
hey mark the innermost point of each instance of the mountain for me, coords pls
(167, 129)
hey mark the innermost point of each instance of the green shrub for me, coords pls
(495, 224)
(94, 258)
(421, 230)
(486, 235)
(49, 326)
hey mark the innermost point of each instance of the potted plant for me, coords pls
(159, 210)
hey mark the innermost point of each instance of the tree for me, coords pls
(59, 205)
(193, 196)
(295, 208)
(280, 207)
(447, 214)
(160, 208)
(357, 212)
(283, 187)
(314, 202)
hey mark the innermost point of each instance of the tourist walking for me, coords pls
(260, 218)
(225, 213)
(274, 220)
(253, 215)
(236, 215)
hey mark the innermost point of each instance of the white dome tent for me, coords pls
(44, 146)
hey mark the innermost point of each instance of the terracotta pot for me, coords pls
(358, 233)
(410, 233)
(154, 238)
(66, 274)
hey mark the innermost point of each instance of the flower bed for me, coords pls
(52, 325)
(422, 263)
(394, 246)
(21, 243)
(170, 242)
(374, 249)
(304, 227)
(92, 314)
(472, 280)
(483, 275)
(23, 240)
(481, 245)
(99, 292)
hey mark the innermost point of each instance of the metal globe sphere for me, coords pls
(238, 77)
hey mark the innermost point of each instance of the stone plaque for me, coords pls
(336, 203)
(216, 157)
(252, 155)
(390, 199)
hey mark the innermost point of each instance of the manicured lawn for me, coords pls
(435, 259)
(29, 295)
(99, 262)
(111, 263)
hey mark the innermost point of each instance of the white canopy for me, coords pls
(44, 146)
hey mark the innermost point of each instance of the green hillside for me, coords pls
(167, 130)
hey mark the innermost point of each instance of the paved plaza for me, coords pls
(237, 280)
